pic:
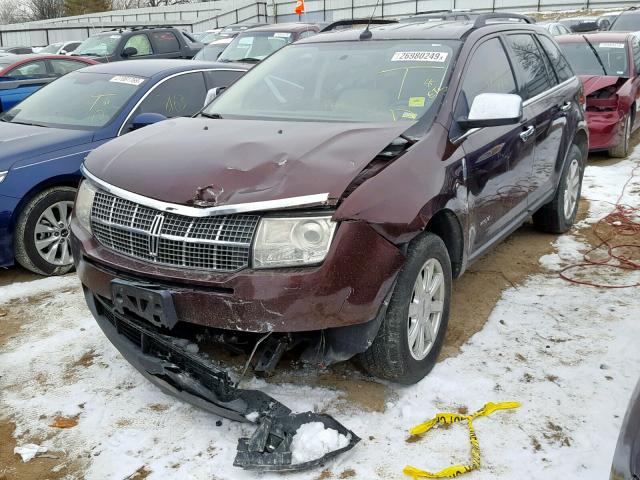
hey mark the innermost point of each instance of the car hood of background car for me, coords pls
(593, 83)
(19, 143)
(240, 161)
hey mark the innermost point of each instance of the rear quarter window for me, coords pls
(165, 42)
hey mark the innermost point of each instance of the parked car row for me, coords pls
(321, 205)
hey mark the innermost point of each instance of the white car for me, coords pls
(61, 48)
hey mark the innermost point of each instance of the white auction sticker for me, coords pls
(419, 57)
(128, 79)
(281, 35)
(611, 45)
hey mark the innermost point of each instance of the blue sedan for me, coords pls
(44, 140)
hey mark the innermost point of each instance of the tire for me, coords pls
(622, 149)
(390, 355)
(555, 216)
(36, 214)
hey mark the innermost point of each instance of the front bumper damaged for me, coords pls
(195, 379)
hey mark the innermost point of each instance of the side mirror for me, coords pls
(493, 110)
(144, 119)
(213, 93)
(63, 52)
(604, 24)
(130, 52)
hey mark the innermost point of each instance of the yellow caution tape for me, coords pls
(448, 419)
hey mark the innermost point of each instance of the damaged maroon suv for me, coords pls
(323, 203)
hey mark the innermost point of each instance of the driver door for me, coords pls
(491, 152)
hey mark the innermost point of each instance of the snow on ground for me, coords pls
(568, 353)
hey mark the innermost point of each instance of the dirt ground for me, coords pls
(474, 297)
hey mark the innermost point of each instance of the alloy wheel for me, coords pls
(572, 188)
(426, 309)
(51, 235)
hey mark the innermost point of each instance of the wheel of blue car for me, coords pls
(412, 332)
(42, 232)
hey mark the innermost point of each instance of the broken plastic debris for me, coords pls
(64, 422)
(312, 440)
(28, 451)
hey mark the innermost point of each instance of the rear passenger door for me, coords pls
(490, 151)
(165, 44)
(543, 114)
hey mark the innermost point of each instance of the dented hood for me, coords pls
(240, 160)
(593, 83)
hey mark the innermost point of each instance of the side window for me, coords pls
(62, 67)
(559, 63)
(31, 69)
(530, 63)
(165, 42)
(221, 78)
(488, 71)
(636, 53)
(555, 30)
(141, 44)
(180, 96)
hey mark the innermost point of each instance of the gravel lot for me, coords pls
(518, 332)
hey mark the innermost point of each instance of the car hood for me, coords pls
(19, 143)
(593, 83)
(240, 161)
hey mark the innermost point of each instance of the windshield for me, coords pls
(627, 22)
(611, 58)
(78, 100)
(211, 37)
(53, 48)
(210, 52)
(375, 81)
(99, 45)
(256, 45)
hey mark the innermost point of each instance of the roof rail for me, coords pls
(350, 23)
(481, 20)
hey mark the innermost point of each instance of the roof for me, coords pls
(11, 58)
(283, 27)
(151, 67)
(432, 30)
(595, 37)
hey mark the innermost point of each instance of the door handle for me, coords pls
(566, 107)
(526, 135)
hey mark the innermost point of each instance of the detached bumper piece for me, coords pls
(194, 379)
(269, 448)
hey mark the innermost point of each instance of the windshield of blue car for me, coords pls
(255, 45)
(378, 81)
(597, 58)
(79, 100)
(99, 45)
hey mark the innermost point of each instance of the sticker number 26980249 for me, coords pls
(419, 57)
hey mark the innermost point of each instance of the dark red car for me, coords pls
(40, 66)
(608, 65)
(323, 203)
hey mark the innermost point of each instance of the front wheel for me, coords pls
(558, 215)
(42, 232)
(412, 333)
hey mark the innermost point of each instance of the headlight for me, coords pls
(84, 202)
(3, 175)
(289, 242)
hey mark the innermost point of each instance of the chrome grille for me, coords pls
(218, 243)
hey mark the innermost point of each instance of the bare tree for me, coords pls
(45, 9)
(11, 11)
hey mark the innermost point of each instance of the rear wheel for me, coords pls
(42, 232)
(559, 214)
(412, 333)
(622, 149)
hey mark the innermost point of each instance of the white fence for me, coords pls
(219, 13)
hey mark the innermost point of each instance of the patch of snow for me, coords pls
(312, 441)
(252, 417)
(28, 451)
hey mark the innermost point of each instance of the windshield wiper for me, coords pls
(26, 123)
(215, 116)
(246, 59)
(595, 53)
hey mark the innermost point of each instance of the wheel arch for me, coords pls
(446, 225)
(581, 140)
